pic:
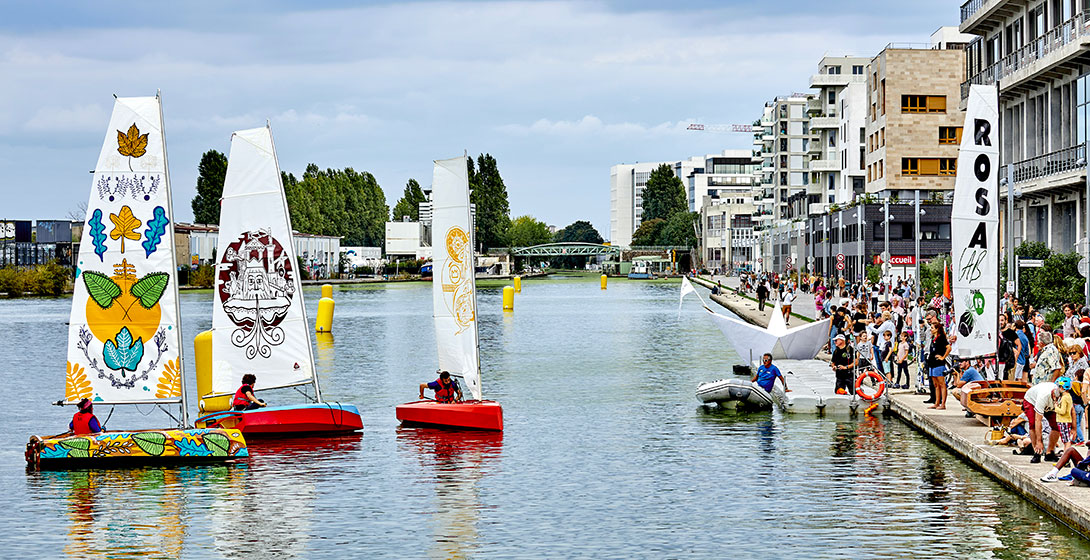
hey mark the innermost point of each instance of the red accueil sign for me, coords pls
(907, 260)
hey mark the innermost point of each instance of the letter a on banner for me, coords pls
(975, 227)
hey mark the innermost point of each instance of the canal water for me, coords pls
(606, 453)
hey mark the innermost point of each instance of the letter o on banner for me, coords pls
(982, 167)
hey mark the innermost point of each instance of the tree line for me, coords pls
(666, 217)
(351, 204)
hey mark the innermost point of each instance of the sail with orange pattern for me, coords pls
(124, 337)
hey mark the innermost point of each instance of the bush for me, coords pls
(49, 279)
(203, 277)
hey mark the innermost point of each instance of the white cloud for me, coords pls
(67, 119)
(591, 125)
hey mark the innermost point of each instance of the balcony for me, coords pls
(835, 80)
(980, 17)
(824, 122)
(1054, 163)
(1032, 63)
(831, 162)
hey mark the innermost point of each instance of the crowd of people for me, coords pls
(903, 330)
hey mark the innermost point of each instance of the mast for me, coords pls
(173, 269)
(473, 267)
(291, 233)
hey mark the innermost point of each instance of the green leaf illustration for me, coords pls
(217, 444)
(124, 353)
(150, 288)
(151, 443)
(77, 447)
(101, 288)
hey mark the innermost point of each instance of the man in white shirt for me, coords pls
(1039, 404)
(788, 299)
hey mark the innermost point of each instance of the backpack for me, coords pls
(1005, 353)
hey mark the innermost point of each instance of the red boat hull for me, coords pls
(289, 421)
(469, 415)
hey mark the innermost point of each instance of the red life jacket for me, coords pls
(240, 396)
(445, 392)
(81, 423)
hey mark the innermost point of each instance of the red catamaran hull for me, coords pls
(470, 415)
(289, 421)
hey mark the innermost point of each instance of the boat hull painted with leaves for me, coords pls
(469, 415)
(327, 418)
(135, 448)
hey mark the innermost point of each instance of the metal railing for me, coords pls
(969, 8)
(1060, 161)
(1056, 38)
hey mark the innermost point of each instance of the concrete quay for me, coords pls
(965, 438)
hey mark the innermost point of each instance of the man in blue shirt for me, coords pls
(766, 375)
(1020, 373)
(970, 379)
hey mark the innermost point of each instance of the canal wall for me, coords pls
(965, 437)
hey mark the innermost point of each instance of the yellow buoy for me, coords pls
(508, 298)
(202, 354)
(518, 284)
(604, 281)
(324, 321)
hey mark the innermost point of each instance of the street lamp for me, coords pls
(885, 262)
(1086, 254)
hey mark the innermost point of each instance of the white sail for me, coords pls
(797, 343)
(123, 336)
(454, 297)
(259, 323)
(974, 226)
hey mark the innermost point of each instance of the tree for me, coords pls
(490, 195)
(525, 231)
(648, 232)
(664, 195)
(409, 205)
(338, 202)
(211, 172)
(678, 230)
(578, 232)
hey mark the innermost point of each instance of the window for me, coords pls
(832, 97)
(857, 69)
(929, 166)
(862, 134)
(862, 158)
(950, 135)
(832, 69)
(923, 103)
(881, 137)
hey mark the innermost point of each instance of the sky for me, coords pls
(557, 92)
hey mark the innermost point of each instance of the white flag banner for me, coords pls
(975, 226)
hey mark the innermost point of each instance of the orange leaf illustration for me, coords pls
(170, 382)
(125, 226)
(76, 385)
(132, 144)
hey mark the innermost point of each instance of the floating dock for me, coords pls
(812, 385)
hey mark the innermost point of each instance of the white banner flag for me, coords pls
(975, 227)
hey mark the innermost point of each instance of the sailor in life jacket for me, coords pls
(84, 421)
(446, 390)
(244, 398)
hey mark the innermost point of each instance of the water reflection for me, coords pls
(262, 513)
(459, 460)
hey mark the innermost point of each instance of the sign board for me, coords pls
(1082, 267)
(840, 266)
(810, 259)
(1031, 263)
(840, 257)
(895, 260)
(760, 260)
(1010, 286)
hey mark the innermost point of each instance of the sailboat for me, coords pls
(124, 331)
(259, 321)
(454, 308)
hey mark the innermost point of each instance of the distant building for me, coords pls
(727, 230)
(838, 120)
(626, 184)
(28, 243)
(196, 244)
(405, 240)
(913, 125)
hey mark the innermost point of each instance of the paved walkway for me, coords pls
(965, 437)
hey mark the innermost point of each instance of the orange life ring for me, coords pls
(875, 376)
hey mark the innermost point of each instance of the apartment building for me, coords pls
(732, 171)
(913, 124)
(727, 232)
(785, 145)
(1038, 55)
(626, 184)
(838, 121)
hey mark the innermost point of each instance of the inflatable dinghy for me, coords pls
(746, 393)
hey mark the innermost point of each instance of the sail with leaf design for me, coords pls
(123, 340)
(259, 322)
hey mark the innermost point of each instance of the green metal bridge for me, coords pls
(566, 250)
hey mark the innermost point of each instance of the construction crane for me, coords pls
(723, 128)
